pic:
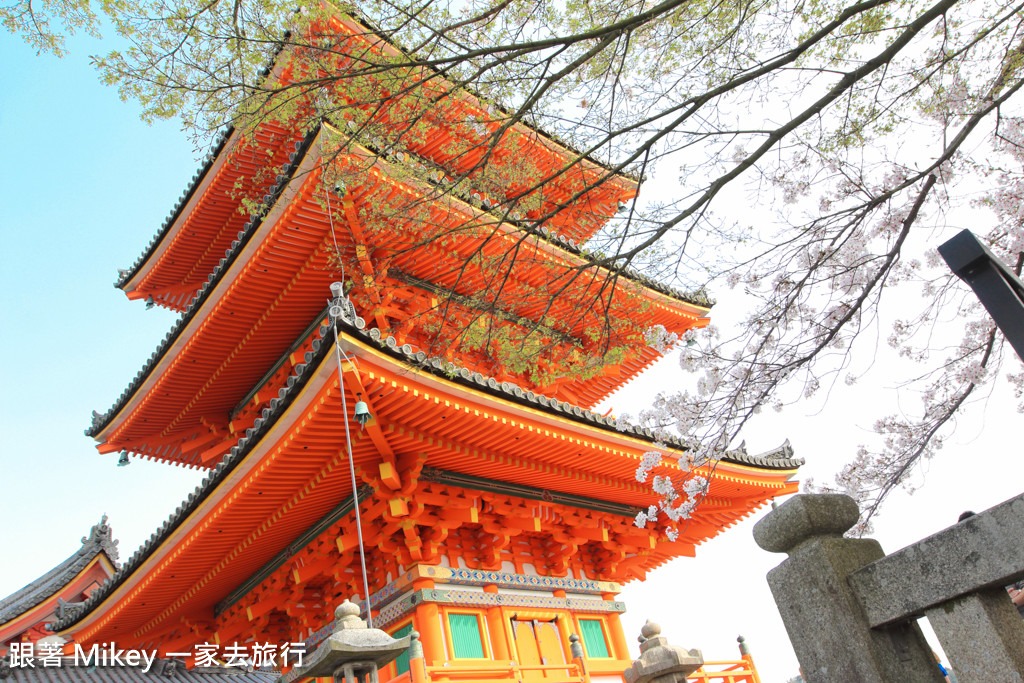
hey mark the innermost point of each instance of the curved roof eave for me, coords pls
(100, 421)
(221, 141)
(126, 275)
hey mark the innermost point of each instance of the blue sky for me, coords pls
(86, 185)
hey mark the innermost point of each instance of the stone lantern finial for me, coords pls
(347, 616)
(415, 646)
(649, 630)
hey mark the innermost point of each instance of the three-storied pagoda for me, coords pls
(497, 510)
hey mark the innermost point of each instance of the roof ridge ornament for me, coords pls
(782, 452)
(102, 536)
(66, 609)
(341, 306)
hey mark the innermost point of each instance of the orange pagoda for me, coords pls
(496, 511)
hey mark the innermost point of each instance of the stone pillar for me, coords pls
(825, 622)
(577, 657)
(660, 662)
(982, 636)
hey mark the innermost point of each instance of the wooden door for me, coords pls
(539, 642)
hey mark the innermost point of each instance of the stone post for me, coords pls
(660, 662)
(982, 636)
(825, 622)
(957, 579)
(576, 654)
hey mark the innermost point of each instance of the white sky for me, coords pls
(85, 186)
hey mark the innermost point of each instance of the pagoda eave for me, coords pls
(178, 260)
(242, 300)
(288, 473)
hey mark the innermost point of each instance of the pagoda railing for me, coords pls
(550, 673)
(731, 671)
(739, 671)
(578, 671)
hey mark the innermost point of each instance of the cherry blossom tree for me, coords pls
(857, 130)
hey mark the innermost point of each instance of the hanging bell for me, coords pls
(123, 461)
(362, 413)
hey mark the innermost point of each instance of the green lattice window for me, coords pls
(466, 640)
(402, 663)
(593, 638)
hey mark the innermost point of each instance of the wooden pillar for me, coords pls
(428, 623)
(615, 634)
(498, 629)
(565, 623)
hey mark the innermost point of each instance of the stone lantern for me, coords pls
(353, 653)
(660, 662)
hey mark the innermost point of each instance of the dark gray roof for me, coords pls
(100, 540)
(781, 456)
(353, 325)
(163, 670)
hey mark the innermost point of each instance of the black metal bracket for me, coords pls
(996, 286)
